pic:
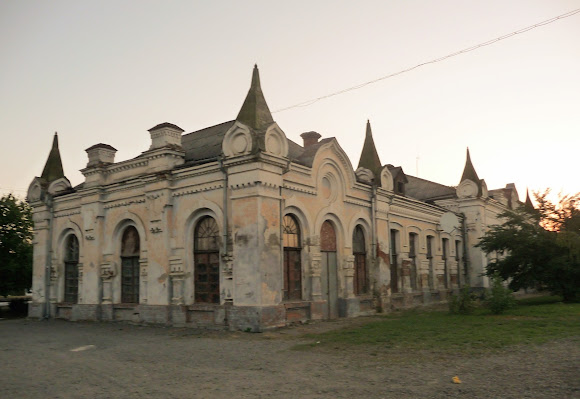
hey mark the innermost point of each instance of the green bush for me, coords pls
(499, 298)
(464, 303)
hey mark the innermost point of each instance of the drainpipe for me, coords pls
(374, 222)
(465, 259)
(281, 216)
(48, 264)
(225, 207)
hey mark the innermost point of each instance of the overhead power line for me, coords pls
(465, 50)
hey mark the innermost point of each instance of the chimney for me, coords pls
(165, 135)
(310, 138)
(100, 154)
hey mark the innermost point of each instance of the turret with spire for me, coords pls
(469, 173)
(254, 130)
(369, 157)
(528, 205)
(255, 112)
(53, 168)
(52, 180)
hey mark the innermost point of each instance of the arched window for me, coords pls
(71, 269)
(292, 261)
(360, 262)
(413, 256)
(207, 261)
(329, 268)
(130, 248)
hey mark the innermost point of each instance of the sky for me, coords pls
(107, 71)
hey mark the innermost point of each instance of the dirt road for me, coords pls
(57, 359)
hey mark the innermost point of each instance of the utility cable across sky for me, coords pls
(466, 50)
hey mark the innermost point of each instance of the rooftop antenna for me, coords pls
(417, 161)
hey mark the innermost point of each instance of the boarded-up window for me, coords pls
(360, 262)
(445, 255)
(327, 237)
(130, 248)
(413, 256)
(71, 269)
(292, 258)
(394, 261)
(207, 261)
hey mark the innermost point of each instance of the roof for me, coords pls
(425, 190)
(166, 124)
(396, 171)
(101, 145)
(469, 173)
(369, 157)
(205, 143)
(53, 168)
(255, 112)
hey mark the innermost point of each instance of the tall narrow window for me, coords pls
(458, 259)
(130, 248)
(430, 259)
(394, 271)
(445, 252)
(413, 257)
(71, 269)
(292, 261)
(359, 250)
(207, 261)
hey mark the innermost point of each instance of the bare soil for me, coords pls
(58, 359)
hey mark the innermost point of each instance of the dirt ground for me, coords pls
(58, 359)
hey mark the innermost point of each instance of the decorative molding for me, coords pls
(299, 189)
(60, 214)
(155, 230)
(237, 141)
(198, 189)
(125, 203)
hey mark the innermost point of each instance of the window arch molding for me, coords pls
(366, 227)
(189, 231)
(338, 228)
(113, 244)
(128, 219)
(301, 218)
(70, 229)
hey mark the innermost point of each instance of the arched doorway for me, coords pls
(207, 261)
(329, 264)
(359, 251)
(130, 249)
(71, 269)
(292, 261)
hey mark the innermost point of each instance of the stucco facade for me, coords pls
(237, 227)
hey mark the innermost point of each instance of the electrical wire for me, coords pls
(465, 50)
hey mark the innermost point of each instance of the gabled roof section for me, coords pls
(469, 172)
(398, 173)
(528, 205)
(53, 167)
(166, 124)
(426, 190)
(205, 144)
(255, 112)
(369, 157)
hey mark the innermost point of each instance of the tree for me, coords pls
(538, 247)
(15, 245)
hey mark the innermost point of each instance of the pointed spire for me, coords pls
(369, 157)
(469, 172)
(528, 204)
(255, 112)
(53, 168)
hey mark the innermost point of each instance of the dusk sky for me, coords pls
(107, 71)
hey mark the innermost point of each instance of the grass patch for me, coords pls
(533, 321)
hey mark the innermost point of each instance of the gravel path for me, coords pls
(57, 359)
